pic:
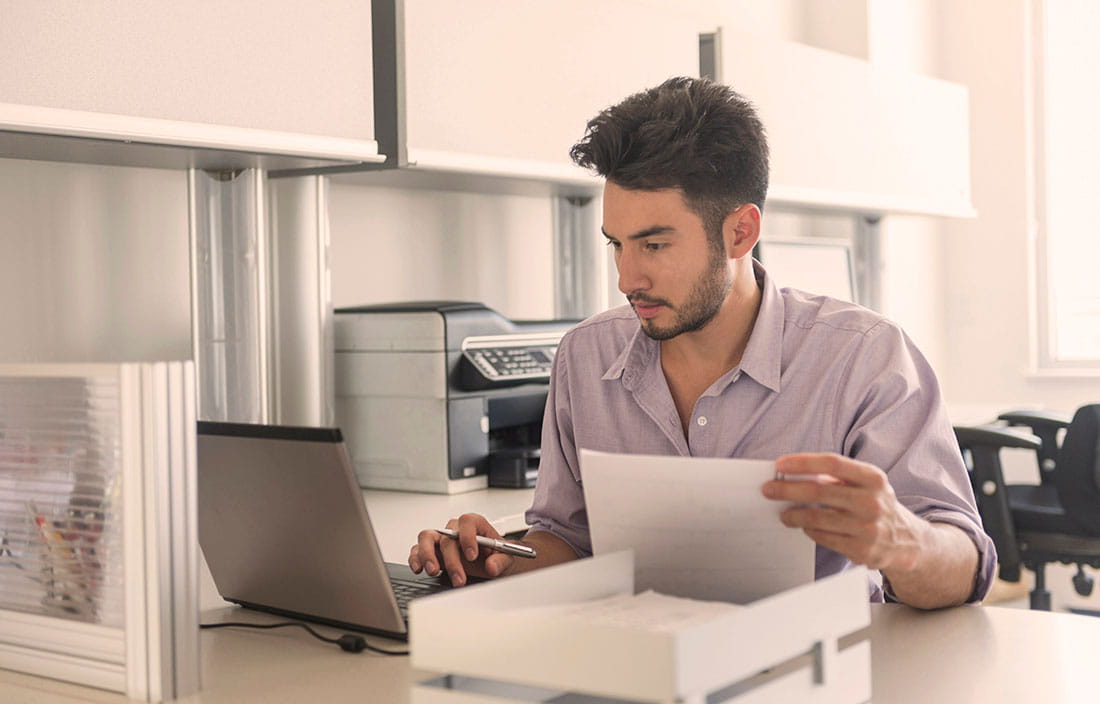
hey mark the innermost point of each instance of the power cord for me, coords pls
(348, 642)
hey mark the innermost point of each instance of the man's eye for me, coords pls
(654, 246)
(613, 244)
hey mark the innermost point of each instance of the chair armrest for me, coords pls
(1036, 420)
(1047, 426)
(970, 437)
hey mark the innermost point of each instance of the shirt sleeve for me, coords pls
(558, 506)
(900, 425)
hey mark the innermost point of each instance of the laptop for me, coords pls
(284, 529)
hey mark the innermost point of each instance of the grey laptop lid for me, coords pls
(283, 526)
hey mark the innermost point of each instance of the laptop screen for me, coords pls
(283, 526)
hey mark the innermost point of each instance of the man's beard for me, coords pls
(702, 304)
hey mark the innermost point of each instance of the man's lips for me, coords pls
(647, 310)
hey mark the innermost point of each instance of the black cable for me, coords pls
(348, 642)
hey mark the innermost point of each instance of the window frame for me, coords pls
(1044, 357)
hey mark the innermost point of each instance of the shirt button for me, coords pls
(701, 420)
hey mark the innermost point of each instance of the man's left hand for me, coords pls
(849, 507)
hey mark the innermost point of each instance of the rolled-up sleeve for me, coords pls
(902, 427)
(558, 506)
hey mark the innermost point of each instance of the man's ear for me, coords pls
(741, 230)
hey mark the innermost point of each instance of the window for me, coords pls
(1067, 180)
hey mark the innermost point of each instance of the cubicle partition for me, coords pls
(98, 540)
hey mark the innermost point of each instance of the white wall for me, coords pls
(898, 35)
(901, 36)
(962, 287)
(391, 244)
(987, 264)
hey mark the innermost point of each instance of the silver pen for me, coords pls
(495, 543)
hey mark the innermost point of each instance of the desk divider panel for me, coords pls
(98, 536)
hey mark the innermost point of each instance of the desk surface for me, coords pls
(969, 654)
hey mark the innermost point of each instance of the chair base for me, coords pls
(1039, 600)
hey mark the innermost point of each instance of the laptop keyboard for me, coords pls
(406, 591)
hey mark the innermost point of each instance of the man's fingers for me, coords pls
(459, 556)
(469, 526)
(838, 496)
(837, 542)
(434, 552)
(845, 469)
(452, 561)
(426, 554)
(497, 563)
(823, 519)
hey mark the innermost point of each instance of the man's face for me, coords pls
(672, 275)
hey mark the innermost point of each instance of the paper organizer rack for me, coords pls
(499, 643)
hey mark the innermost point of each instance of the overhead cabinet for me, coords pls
(210, 84)
(505, 88)
(489, 87)
(847, 134)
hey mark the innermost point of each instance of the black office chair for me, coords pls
(1055, 521)
(1047, 426)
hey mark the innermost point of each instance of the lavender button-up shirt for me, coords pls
(817, 375)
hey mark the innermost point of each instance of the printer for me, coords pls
(442, 396)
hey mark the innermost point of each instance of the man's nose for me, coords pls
(632, 277)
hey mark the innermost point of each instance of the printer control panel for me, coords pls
(514, 362)
(499, 360)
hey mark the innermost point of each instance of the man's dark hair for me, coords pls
(687, 133)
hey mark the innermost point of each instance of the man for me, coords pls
(712, 359)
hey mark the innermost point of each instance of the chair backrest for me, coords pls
(1078, 469)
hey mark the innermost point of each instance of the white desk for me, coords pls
(983, 654)
(969, 654)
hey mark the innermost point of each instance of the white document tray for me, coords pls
(786, 647)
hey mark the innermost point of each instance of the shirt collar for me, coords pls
(634, 358)
(763, 356)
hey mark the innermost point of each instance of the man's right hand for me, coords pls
(462, 557)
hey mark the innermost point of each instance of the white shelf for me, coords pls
(869, 203)
(58, 134)
(468, 173)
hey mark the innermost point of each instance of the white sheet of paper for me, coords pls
(699, 526)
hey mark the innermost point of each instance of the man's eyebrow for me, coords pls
(648, 232)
